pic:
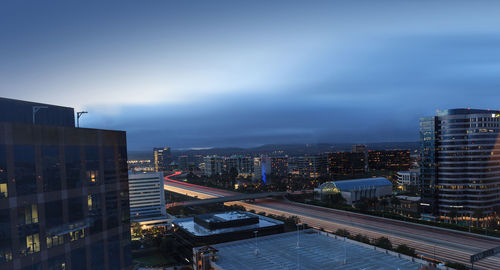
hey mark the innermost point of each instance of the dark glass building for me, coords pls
(460, 172)
(63, 191)
(392, 160)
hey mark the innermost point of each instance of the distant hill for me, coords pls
(281, 149)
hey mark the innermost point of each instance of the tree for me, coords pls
(453, 215)
(478, 213)
(361, 205)
(336, 198)
(136, 229)
(362, 238)
(383, 242)
(395, 202)
(343, 233)
(233, 174)
(384, 203)
(404, 249)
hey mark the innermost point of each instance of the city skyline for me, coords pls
(248, 74)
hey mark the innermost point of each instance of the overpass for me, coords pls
(224, 199)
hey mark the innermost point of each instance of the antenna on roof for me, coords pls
(78, 115)
(36, 109)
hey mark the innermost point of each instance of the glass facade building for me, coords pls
(64, 200)
(460, 172)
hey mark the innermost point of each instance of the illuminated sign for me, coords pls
(495, 115)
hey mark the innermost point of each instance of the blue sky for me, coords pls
(244, 73)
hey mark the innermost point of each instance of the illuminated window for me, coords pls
(53, 241)
(80, 234)
(32, 243)
(3, 191)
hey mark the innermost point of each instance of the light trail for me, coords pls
(429, 241)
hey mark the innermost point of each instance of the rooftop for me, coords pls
(252, 221)
(459, 111)
(317, 250)
(349, 185)
(18, 111)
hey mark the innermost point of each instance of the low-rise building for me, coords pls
(212, 228)
(408, 206)
(356, 189)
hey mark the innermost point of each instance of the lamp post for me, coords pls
(78, 115)
(36, 109)
(256, 243)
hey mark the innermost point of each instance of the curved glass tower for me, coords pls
(460, 172)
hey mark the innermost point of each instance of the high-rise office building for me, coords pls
(63, 191)
(162, 158)
(460, 167)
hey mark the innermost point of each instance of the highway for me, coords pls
(429, 241)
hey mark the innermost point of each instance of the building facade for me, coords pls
(345, 164)
(279, 166)
(147, 197)
(392, 160)
(243, 164)
(213, 165)
(64, 192)
(460, 169)
(355, 189)
(409, 180)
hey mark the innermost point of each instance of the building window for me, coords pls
(32, 243)
(80, 234)
(3, 173)
(53, 241)
(28, 214)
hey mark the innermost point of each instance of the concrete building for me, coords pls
(356, 189)
(64, 200)
(222, 227)
(244, 165)
(409, 180)
(310, 166)
(189, 163)
(147, 197)
(162, 158)
(279, 166)
(460, 168)
(307, 249)
(213, 165)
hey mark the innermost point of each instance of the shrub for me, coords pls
(383, 242)
(404, 249)
(457, 266)
(362, 238)
(343, 233)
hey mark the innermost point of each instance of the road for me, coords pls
(429, 241)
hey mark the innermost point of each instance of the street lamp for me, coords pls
(256, 243)
(78, 115)
(36, 109)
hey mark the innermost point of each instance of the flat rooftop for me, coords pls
(316, 251)
(189, 224)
